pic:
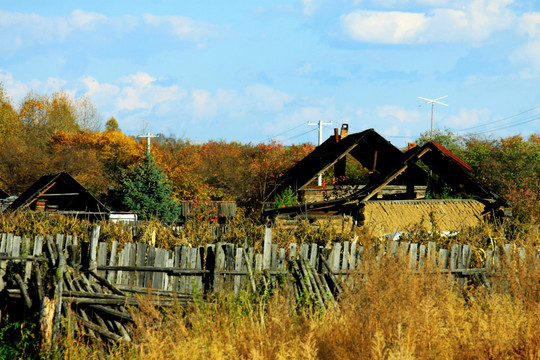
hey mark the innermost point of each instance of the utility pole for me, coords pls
(147, 136)
(433, 102)
(320, 124)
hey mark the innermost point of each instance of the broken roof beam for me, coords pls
(392, 175)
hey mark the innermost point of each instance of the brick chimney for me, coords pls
(344, 131)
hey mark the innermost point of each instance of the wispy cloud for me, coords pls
(398, 112)
(182, 27)
(24, 30)
(309, 6)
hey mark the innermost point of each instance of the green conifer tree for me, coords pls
(146, 191)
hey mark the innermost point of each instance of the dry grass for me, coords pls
(386, 313)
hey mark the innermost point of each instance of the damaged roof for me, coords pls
(370, 149)
(391, 165)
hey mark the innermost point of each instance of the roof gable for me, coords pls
(367, 147)
(59, 193)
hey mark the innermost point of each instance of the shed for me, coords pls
(60, 194)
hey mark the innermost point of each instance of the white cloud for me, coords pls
(467, 118)
(528, 55)
(55, 84)
(309, 6)
(83, 19)
(141, 92)
(393, 131)
(101, 94)
(256, 97)
(182, 27)
(530, 24)
(265, 98)
(384, 27)
(303, 69)
(25, 30)
(398, 112)
(15, 89)
(202, 104)
(475, 22)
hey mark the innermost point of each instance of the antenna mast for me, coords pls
(433, 102)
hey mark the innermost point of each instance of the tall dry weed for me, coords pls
(385, 312)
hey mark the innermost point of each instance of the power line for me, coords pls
(500, 120)
(507, 126)
(302, 134)
(284, 132)
(400, 137)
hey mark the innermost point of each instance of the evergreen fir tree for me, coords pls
(146, 191)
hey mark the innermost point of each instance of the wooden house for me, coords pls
(395, 195)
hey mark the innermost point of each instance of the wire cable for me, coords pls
(500, 120)
(507, 126)
(302, 134)
(283, 132)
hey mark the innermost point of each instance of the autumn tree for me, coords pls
(100, 157)
(112, 125)
(9, 121)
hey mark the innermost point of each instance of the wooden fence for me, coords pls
(223, 266)
(94, 281)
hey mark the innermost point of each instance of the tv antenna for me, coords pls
(148, 136)
(433, 102)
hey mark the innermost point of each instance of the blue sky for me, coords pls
(252, 71)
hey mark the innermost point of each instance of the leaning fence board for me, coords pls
(313, 255)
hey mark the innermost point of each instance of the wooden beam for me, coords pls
(395, 174)
(61, 194)
(331, 164)
(40, 194)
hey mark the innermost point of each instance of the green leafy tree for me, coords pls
(146, 191)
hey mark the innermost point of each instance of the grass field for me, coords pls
(387, 313)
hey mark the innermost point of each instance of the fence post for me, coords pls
(267, 249)
(94, 238)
